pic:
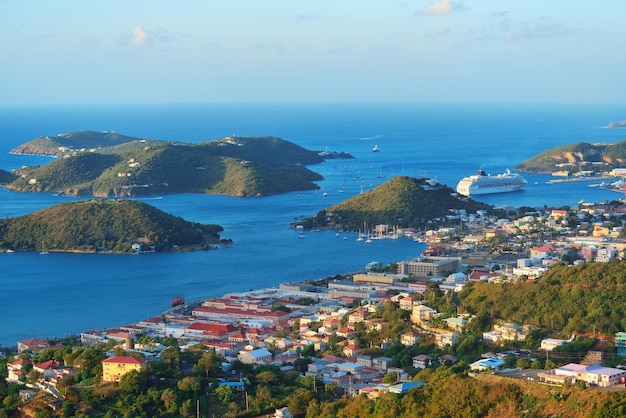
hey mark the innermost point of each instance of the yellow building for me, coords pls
(114, 367)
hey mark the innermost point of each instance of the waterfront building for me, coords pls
(430, 266)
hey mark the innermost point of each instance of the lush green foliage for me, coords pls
(401, 201)
(233, 166)
(103, 225)
(583, 299)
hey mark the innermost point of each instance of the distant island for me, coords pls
(402, 201)
(105, 225)
(621, 124)
(578, 155)
(108, 164)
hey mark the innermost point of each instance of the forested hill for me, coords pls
(402, 201)
(603, 154)
(103, 225)
(123, 166)
(583, 299)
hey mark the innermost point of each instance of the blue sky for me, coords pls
(153, 51)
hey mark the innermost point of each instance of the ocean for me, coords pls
(60, 294)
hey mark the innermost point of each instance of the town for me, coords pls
(363, 334)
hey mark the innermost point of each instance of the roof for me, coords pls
(403, 387)
(124, 360)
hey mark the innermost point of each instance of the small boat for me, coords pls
(376, 149)
(301, 235)
(178, 300)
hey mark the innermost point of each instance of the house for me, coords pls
(456, 324)
(550, 344)
(14, 370)
(421, 314)
(113, 368)
(351, 350)
(47, 369)
(405, 387)
(410, 338)
(381, 363)
(593, 375)
(449, 338)
(422, 361)
(486, 364)
(407, 303)
(447, 359)
(260, 355)
(32, 344)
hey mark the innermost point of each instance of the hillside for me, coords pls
(231, 166)
(100, 225)
(582, 299)
(402, 201)
(578, 155)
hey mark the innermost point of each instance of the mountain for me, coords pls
(402, 201)
(123, 166)
(578, 155)
(104, 225)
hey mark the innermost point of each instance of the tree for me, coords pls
(225, 394)
(208, 364)
(189, 384)
(298, 401)
(34, 376)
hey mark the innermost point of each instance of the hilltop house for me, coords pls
(113, 368)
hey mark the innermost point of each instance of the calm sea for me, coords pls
(60, 294)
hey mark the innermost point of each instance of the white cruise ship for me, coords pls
(481, 183)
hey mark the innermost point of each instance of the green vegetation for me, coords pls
(123, 166)
(583, 299)
(612, 154)
(401, 201)
(104, 225)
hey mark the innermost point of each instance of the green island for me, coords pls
(105, 226)
(107, 164)
(402, 201)
(580, 155)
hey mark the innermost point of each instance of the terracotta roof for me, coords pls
(124, 360)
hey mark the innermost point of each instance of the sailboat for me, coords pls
(43, 249)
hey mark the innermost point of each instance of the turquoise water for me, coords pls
(58, 294)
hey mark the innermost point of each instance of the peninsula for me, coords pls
(578, 156)
(104, 225)
(107, 164)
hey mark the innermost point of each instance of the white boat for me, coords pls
(376, 149)
(482, 183)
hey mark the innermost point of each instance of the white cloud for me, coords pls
(441, 8)
(139, 36)
(143, 37)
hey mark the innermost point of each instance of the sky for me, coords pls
(206, 51)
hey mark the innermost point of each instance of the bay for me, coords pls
(60, 294)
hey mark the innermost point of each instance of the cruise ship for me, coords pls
(481, 183)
